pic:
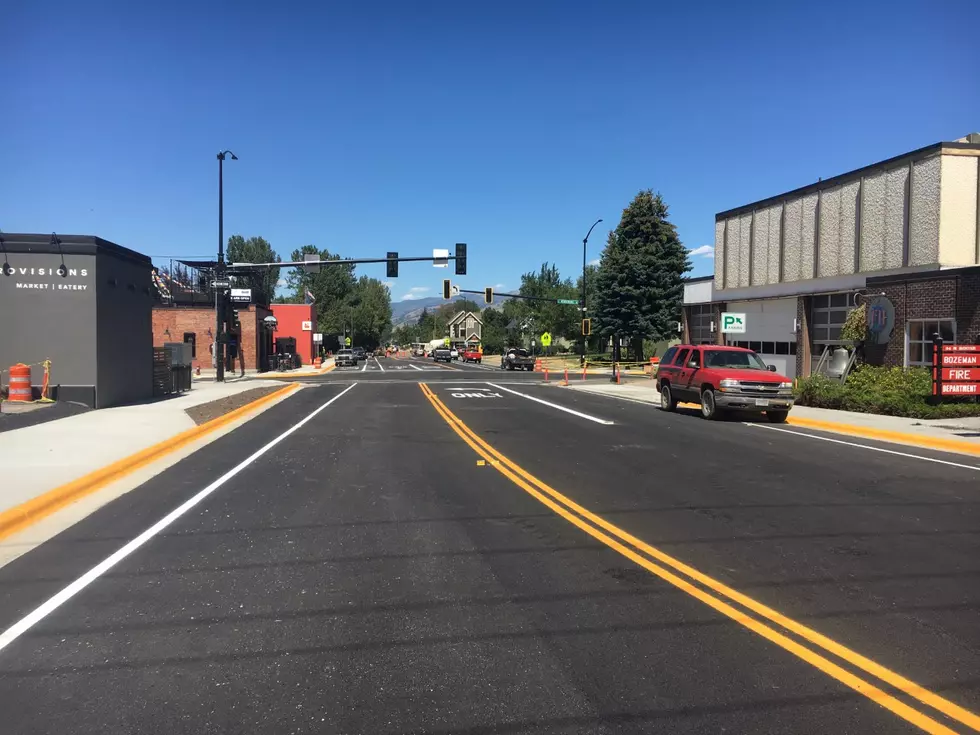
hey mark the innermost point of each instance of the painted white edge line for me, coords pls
(366, 363)
(618, 398)
(867, 446)
(604, 422)
(412, 364)
(379, 364)
(46, 608)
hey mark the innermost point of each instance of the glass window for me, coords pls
(699, 323)
(682, 357)
(839, 299)
(695, 359)
(734, 359)
(668, 356)
(792, 348)
(755, 346)
(782, 348)
(918, 336)
(191, 339)
(769, 348)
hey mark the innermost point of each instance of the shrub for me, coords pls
(892, 391)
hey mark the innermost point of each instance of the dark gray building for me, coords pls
(85, 304)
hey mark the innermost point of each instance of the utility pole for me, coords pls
(219, 273)
(585, 305)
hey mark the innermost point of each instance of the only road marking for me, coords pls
(554, 405)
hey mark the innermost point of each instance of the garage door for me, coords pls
(770, 331)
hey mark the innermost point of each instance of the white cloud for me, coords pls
(388, 284)
(594, 261)
(499, 287)
(419, 289)
(706, 251)
(281, 283)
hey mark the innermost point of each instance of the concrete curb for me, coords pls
(27, 513)
(898, 437)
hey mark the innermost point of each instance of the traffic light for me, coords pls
(488, 295)
(447, 288)
(461, 259)
(586, 327)
(235, 321)
(392, 265)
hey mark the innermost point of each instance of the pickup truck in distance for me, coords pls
(516, 358)
(471, 356)
(442, 354)
(723, 379)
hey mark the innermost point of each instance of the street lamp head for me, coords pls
(221, 156)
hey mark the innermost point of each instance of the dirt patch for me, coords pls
(207, 411)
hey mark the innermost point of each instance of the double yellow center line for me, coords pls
(744, 610)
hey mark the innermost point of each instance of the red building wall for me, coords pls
(291, 318)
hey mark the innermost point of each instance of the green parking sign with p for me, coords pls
(732, 322)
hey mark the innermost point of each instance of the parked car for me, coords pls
(471, 356)
(454, 353)
(516, 358)
(723, 379)
(359, 354)
(346, 358)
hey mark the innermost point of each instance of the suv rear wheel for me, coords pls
(708, 407)
(667, 400)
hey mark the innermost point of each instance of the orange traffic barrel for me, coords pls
(20, 383)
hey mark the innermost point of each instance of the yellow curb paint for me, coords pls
(29, 512)
(629, 545)
(927, 442)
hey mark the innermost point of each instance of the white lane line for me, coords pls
(867, 446)
(364, 369)
(379, 364)
(412, 364)
(46, 608)
(554, 405)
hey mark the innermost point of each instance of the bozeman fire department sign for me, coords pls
(955, 370)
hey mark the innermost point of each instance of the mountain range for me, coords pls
(408, 311)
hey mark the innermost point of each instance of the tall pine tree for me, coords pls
(639, 286)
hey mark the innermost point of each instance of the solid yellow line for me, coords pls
(512, 470)
(888, 435)
(30, 512)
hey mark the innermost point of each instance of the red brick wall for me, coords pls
(201, 319)
(291, 318)
(950, 297)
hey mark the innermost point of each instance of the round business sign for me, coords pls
(881, 319)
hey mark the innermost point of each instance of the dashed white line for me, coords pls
(379, 364)
(597, 420)
(46, 608)
(412, 364)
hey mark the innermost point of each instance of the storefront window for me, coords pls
(828, 314)
(918, 336)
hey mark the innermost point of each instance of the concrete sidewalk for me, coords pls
(39, 458)
(961, 434)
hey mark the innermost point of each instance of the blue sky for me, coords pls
(365, 127)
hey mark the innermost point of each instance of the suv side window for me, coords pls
(681, 360)
(668, 357)
(695, 359)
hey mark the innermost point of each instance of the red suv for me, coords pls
(720, 379)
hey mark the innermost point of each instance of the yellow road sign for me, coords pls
(546, 339)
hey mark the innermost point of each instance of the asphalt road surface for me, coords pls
(463, 550)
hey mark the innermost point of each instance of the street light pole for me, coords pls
(219, 273)
(585, 245)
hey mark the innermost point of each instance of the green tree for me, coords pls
(590, 299)
(639, 284)
(371, 311)
(559, 319)
(298, 281)
(261, 281)
(494, 331)
(334, 288)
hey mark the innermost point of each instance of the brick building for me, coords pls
(196, 325)
(901, 236)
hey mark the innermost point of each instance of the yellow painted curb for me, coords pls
(927, 442)
(29, 512)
